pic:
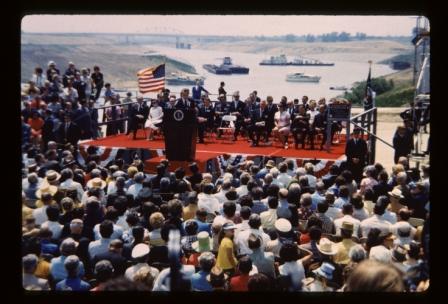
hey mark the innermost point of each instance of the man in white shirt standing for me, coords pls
(347, 210)
(376, 221)
(241, 240)
(207, 200)
(67, 176)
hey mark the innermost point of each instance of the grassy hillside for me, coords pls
(118, 65)
(393, 90)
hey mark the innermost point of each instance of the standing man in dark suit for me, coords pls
(47, 128)
(258, 123)
(403, 142)
(206, 117)
(82, 118)
(271, 109)
(222, 91)
(237, 108)
(184, 102)
(196, 91)
(356, 152)
(138, 114)
(94, 118)
(69, 132)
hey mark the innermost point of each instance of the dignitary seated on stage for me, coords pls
(282, 125)
(221, 109)
(237, 108)
(300, 128)
(138, 114)
(257, 124)
(155, 118)
(206, 117)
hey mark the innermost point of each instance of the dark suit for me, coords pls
(196, 92)
(319, 125)
(184, 104)
(94, 120)
(403, 145)
(47, 130)
(358, 150)
(116, 259)
(209, 114)
(270, 122)
(71, 134)
(300, 128)
(256, 116)
(238, 107)
(82, 118)
(137, 109)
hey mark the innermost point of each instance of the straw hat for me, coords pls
(52, 176)
(46, 188)
(96, 183)
(217, 274)
(270, 164)
(396, 193)
(283, 225)
(326, 247)
(140, 250)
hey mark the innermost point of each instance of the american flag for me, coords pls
(151, 79)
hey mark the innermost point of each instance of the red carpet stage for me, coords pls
(212, 156)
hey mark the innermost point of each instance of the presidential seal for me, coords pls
(178, 115)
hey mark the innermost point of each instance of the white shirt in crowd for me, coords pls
(284, 178)
(394, 227)
(118, 232)
(70, 183)
(54, 227)
(268, 218)
(242, 190)
(347, 218)
(360, 214)
(241, 240)
(40, 215)
(375, 221)
(390, 216)
(295, 270)
(134, 189)
(208, 202)
(39, 80)
(312, 180)
(131, 271)
(162, 283)
(99, 247)
(333, 213)
(221, 196)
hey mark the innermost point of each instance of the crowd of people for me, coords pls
(256, 227)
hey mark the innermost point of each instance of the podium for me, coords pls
(180, 131)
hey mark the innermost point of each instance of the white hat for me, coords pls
(51, 63)
(282, 225)
(140, 250)
(71, 63)
(380, 254)
(96, 183)
(326, 247)
(396, 193)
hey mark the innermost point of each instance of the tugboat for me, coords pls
(309, 62)
(301, 77)
(275, 60)
(226, 68)
(176, 78)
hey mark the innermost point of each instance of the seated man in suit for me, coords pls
(138, 115)
(319, 126)
(237, 108)
(271, 110)
(221, 109)
(206, 118)
(258, 123)
(300, 128)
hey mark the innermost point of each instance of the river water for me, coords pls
(270, 80)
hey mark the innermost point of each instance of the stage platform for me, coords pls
(211, 156)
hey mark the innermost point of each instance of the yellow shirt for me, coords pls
(43, 269)
(343, 248)
(223, 259)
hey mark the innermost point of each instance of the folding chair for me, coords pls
(227, 126)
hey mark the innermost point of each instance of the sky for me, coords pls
(245, 25)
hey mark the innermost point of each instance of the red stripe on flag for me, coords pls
(324, 170)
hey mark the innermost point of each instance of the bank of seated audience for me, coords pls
(91, 228)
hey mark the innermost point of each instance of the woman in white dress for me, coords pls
(282, 123)
(155, 118)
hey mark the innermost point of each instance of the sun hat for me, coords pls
(347, 226)
(52, 176)
(325, 270)
(270, 164)
(46, 188)
(140, 250)
(96, 183)
(283, 225)
(326, 247)
(396, 193)
(204, 242)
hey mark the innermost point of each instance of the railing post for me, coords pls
(374, 122)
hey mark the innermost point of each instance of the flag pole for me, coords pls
(371, 91)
